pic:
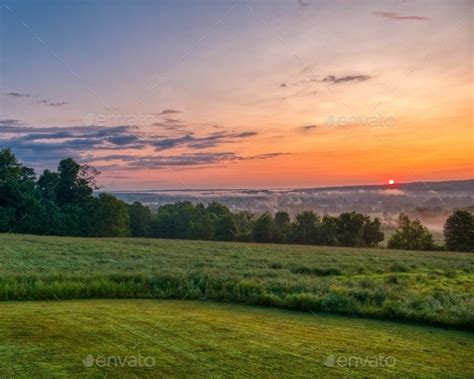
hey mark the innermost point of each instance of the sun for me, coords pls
(391, 181)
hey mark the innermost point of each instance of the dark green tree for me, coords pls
(76, 182)
(174, 220)
(110, 217)
(225, 228)
(202, 227)
(306, 227)
(245, 223)
(140, 219)
(350, 229)
(47, 184)
(372, 234)
(411, 235)
(328, 231)
(263, 228)
(18, 194)
(459, 231)
(282, 226)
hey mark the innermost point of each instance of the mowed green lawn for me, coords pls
(426, 287)
(172, 338)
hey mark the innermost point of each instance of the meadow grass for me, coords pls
(426, 287)
(185, 339)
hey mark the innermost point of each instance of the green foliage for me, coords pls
(306, 228)
(48, 185)
(109, 217)
(263, 228)
(58, 203)
(140, 219)
(244, 221)
(17, 193)
(350, 229)
(328, 231)
(372, 234)
(411, 235)
(459, 231)
(225, 228)
(76, 182)
(282, 227)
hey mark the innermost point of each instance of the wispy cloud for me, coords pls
(182, 160)
(307, 127)
(55, 104)
(304, 3)
(18, 94)
(203, 142)
(27, 95)
(11, 122)
(46, 145)
(399, 17)
(168, 112)
(171, 124)
(332, 79)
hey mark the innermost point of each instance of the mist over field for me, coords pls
(430, 202)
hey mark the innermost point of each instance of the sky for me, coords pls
(240, 94)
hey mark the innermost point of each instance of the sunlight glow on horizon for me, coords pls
(235, 109)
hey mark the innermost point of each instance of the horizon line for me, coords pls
(391, 186)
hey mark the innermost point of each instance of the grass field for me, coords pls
(427, 287)
(204, 339)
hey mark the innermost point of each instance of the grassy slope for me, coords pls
(431, 287)
(203, 339)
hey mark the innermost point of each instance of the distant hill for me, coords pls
(447, 185)
(431, 202)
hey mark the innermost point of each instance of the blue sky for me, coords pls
(240, 89)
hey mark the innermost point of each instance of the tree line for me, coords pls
(63, 203)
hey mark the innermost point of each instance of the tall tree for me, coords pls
(18, 193)
(47, 184)
(76, 182)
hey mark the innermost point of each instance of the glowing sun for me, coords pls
(391, 181)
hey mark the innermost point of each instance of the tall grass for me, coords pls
(427, 287)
